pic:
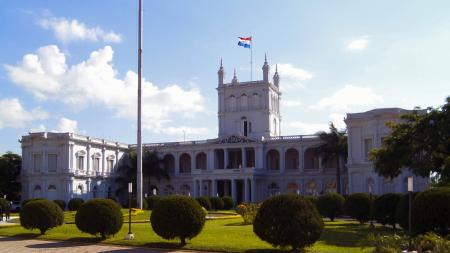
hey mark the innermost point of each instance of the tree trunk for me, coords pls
(183, 241)
(338, 176)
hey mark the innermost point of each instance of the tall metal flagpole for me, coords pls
(139, 135)
(251, 59)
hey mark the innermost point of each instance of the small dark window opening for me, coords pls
(245, 128)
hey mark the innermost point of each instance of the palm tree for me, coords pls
(151, 167)
(334, 147)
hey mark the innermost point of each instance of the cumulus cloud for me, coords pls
(66, 125)
(358, 44)
(12, 114)
(347, 97)
(67, 30)
(292, 77)
(94, 81)
(39, 128)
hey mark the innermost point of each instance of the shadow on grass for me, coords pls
(237, 224)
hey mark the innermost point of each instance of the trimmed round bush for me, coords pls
(431, 211)
(99, 217)
(228, 203)
(402, 210)
(60, 203)
(41, 214)
(358, 206)
(75, 204)
(152, 201)
(330, 205)
(384, 209)
(216, 203)
(177, 217)
(312, 199)
(205, 202)
(288, 220)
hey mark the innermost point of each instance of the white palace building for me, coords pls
(250, 160)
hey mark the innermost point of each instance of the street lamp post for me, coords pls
(371, 207)
(130, 235)
(410, 192)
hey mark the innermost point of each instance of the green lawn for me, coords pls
(217, 235)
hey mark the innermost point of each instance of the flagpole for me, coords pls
(251, 59)
(139, 134)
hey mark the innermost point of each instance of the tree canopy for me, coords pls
(421, 143)
(334, 147)
(10, 166)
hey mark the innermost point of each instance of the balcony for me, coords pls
(248, 171)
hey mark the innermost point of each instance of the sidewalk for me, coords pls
(18, 245)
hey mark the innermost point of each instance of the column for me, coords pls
(282, 159)
(177, 164)
(259, 158)
(253, 190)
(244, 158)
(44, 167)
(116, 164)
(214, 187)
(195, 193)
(103, 161)
(193, 165)
(225, 158)
(210, 159)
(301, 159)
(320, 164)
(201, 193)
(245, 189)
(88, 160)
(71, 157)
(233, 189)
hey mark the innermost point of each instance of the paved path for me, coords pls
(17, 245)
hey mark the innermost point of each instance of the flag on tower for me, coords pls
(245, 42)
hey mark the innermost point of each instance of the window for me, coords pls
(110, 165)
(80, 162)
(245, 128)
(37, 162)
(367, 148)
(255, 100)
(244, 102)
(249, 127)
(52, 162)
(96, 163)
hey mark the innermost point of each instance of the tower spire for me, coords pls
(220, 73)
(276, 77)
(266, 70)
(235, 80)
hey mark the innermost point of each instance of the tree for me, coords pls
(421, 143)
(151, 167)
(10, 166)
(334, 147)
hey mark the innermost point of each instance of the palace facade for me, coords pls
(249, 161)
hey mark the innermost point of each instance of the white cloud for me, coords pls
(185, 130)
(40, 128)
(12, 114)
(73, 30)
(292, 77)
(291, 103)
(358, 44)
(300, 127)
(338, 120)
(347, 97)
(95, 81)
(66, 125)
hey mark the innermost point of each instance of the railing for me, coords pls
(291, 137)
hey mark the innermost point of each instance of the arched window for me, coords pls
(273, 189)
(200, 161)
(311, 159)
(169, 163)
(80, 189)
(244, 102)
(37, 191)
(96, 161)
(273, 159)
(169, 190)
(330, 186)
(232, 103)
(256, 101)
(293, 188)
(51, 187)
(291, 159)
(37, 188)
(311, 188)
(185, 163)
(80, 159)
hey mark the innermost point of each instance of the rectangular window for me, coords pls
(96, 163)
(80, 163)
(37, 162)
(367, 148)
(245, 128)
(110, 165)
(52, 162)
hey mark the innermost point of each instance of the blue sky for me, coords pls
(70, 65)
